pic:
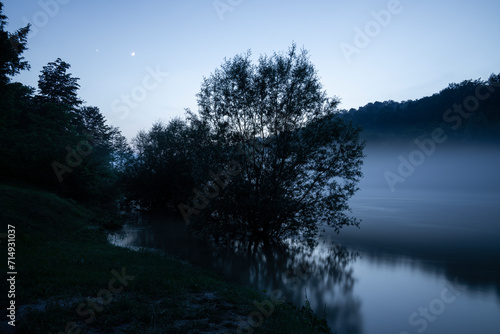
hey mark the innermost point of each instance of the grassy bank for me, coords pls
(71, 280)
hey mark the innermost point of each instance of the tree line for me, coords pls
(49, 137)
(469, 111)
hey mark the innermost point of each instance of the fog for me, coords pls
(447, 210)
(450, 167)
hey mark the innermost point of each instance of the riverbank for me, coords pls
(71, 280)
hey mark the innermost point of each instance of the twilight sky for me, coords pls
(143, 61)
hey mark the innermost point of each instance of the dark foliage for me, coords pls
(48, 139)
(279, 162)
(12, 45)
(161, 174)
(469, 112)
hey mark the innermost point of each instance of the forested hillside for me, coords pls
(467, 112)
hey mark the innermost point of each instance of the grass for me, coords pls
(71, 280)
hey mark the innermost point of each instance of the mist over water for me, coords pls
(454, 194)
(450, 167)
(441, 224)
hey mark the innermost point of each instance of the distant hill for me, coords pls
(467, 112)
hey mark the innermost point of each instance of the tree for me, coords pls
(51, 140)
(299, 162)
(12, 45)
(162, 172)
(122, 154)
(59, 87)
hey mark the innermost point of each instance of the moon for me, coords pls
(132, 53)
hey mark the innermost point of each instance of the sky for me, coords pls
(144, 61)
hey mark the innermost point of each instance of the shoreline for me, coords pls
(72, 280)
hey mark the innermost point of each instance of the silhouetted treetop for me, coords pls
(12, 46)
(58, 86)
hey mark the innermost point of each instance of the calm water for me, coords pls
(424, 259)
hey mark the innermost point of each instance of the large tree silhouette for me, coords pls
(298, 162)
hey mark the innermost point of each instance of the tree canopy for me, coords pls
(58, 86)
(294, 162)
(13, 46)
(468, 111)
(48, 138)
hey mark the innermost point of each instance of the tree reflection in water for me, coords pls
(289, 269)
(293, 270)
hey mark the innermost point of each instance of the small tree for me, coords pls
(57, 86)
(299, 162)
(161, 173)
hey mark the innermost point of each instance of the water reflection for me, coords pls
(480, 274)
(373, 286)
(291, 271)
